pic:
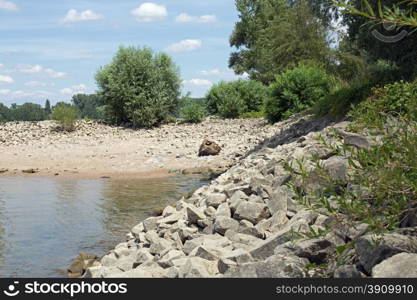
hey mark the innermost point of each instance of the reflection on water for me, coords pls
(44, 223)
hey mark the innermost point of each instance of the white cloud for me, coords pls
(7, 5)
(186, 18)
(198, 82)
(75, 89)
(149, 12)
(38, 69)
(35, 84)
(4, 92)
(185, 46)
(214, 72)
(6, 79)
(74, 16)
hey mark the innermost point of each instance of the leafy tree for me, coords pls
(273, 35)
(139, 87)
(27, 112)
(4, 113)
(363, 19)
(88, 105)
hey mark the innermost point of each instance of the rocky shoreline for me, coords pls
(246, 223)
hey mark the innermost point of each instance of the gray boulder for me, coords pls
(197, 267)
(252, 212)
(403, 265)
(215, 199)
(348, 271)
(223, 224)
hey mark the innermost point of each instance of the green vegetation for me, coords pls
(66, 115)
(193, 113)
(89, 106)
(296, 90)
(139, 87)
(232, 99)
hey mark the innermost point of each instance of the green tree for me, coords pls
(27, 112)
(88, 105)
(4, 113)
(48, 109)
(139, 87)
(66, 115)
(273, 35)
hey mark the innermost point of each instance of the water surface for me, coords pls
(45, 223)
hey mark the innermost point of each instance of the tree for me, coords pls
(273, 35)
(27, 112)
(88, 105)
(48, 110)
(139, 87)
(392, 40)
(4, 113)
(66, 115)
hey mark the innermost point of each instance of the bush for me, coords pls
(66, 115)
(296, 90)
(139, 87)
(232, 99)
(193, 113)
(253, 115)
(338, 103)
(397, 100)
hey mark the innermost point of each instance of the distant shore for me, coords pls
(94, 150)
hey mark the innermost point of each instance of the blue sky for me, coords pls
(52, 49)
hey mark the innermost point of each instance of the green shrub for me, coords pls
(397, 100)
(253, 115)
(338, 103)
(232, 99)
(139, 87)
(66, 115)
(193, 113)
(296, 90)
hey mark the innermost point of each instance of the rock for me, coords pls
(142, 256)
(223, 224)
(215, 199)
(403, 265)
(317, 251)
(206, 253)
(138, 230)
(208, 241)
(194, 214)
(347, 271)
(80, 264)
(197, 267)
(209, 148)
(372, 249)
(223, 211)
(147, 270)
(237, 198)
(278, 221)
(169, 210)
(210, 211)
(274, 267)
(151, 223)
(160, 246)
(252, 212)
(101, 272)
(356, 140)
(336, 166)
(234, 259)
(167, 260)
(278, 200)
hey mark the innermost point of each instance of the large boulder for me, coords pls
(373, 249)
(209, 148)
(223, 224)
(80, 264)
(403, 265)
(197, 267)
(317, 251)
(274, 267)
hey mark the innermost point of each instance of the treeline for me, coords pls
(84, 106)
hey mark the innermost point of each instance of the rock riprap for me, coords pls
(246, 223)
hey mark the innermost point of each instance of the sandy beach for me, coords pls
(97, 150)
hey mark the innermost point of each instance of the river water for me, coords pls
(45, 223)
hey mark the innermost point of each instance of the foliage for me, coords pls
(296, 90)
(381, 188)
(66, 115)
(395, 14)
(88, 106)
(139, 87)
(193, 113)
(362, 33)
(27, 112)
(48, 109)
(273, 35)
(232, 99)
(253, 115)
(338, 103)
(4, 113)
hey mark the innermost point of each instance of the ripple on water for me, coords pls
(44, 223)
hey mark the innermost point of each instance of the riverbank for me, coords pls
(248, 222)
(94, 150)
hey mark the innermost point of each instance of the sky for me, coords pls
(52, 49)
